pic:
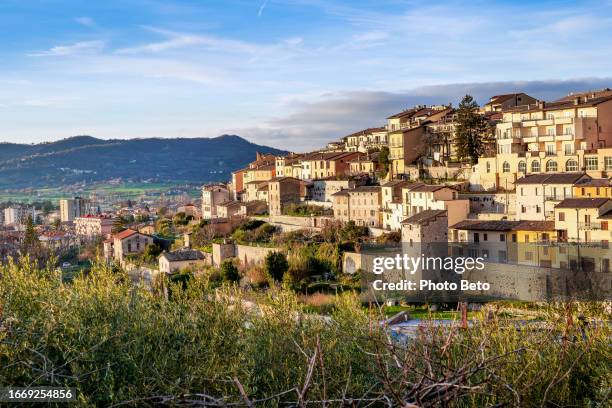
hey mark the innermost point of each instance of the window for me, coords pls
(485, 237)
(551, 165)
(571, 165)
(535, 167)
(604, 225)
(506, 167)
(608, 163)
(522, 167)
(569, 149)
(528, 256)
(502, 238)
(513, 237)
(591, 163)
(538, 209)
(561, 216)
(488, 167)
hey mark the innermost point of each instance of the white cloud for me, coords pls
(82, 47)
(85, 21)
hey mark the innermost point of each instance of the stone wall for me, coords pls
(246, 254)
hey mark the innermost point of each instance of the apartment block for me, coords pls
(324, 165)
(549, 137)
(73, 208)
(366, 140)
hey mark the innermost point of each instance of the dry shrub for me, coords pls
(317, 299)
(256, 275)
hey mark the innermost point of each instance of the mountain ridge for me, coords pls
(83, 159)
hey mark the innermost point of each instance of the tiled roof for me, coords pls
(563, 104)
(536, 226)
(183, 255)
(476, 225)
(424, 216)
(582, 203)
(365, 189)
(594, 183)
(428, 188)
(125, 234)
(366, 132)
(552, 178)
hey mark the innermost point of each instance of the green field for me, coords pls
(127, 190)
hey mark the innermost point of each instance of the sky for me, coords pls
(292, 74)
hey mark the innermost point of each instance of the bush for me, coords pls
(276, 265)
(229, 271)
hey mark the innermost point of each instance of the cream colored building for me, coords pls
(324, 165)
(584, 220)
(212, 195)
(170, 262)
(538, 194)
(366, 140)
(91, 226)
(71, 208)
(567, 135)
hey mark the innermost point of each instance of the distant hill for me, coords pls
(88, 159)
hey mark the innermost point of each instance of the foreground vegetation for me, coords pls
(231, 347)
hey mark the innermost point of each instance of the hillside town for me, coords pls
(515, 171)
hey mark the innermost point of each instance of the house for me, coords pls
(323, 189)
(584, 220)
(425, 227)
(537, 194)
(595, 188)
(500, 103)
(417, 197)
(284, 165)
(253, 208)
(170, 262)
(92, 226)
(391, 204)
(365, 164)
(228, 209)
(321, 165)
(283, 191)
(364, 204)
(191, 210)
(58, 240)
(366, 140)
(212, 195)
(126, 243)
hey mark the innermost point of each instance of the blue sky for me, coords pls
(288, 73)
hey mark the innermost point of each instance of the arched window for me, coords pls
(506, 167)
(551, 165)
(522, 167)
(535, 167)
(571, 165)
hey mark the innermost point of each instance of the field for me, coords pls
(124, 191)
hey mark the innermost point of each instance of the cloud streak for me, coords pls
(78, 48)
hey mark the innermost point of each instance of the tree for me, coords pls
(57, 224)
(276, 265)
(31, 243)
(120, 224)
(152, 251)
(383, 159)
(229, 272)
(472, 130)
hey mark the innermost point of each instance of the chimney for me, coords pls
(576, 101)
(541, 104)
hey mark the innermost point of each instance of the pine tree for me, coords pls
(472, 130)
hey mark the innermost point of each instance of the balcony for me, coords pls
(552, 197)
(589, 226)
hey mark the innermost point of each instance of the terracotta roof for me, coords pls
(365, 189)
(594, 183)
(394, 183)
(597, 93)
(284, 178)
(424, 216)
(606, 216)
(429, 188)
(327, 156)
(582, 203)
(551, 178)
(404, 113)
(476, 225)
(125, 234)
(562, 104)
(536, 226)
(341, 193)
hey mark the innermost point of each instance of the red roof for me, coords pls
(124, 234)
